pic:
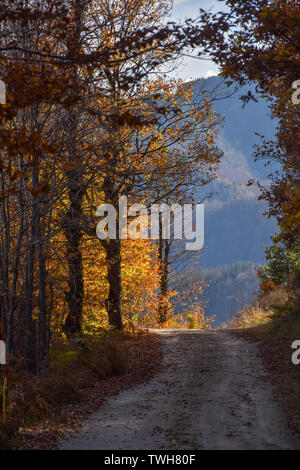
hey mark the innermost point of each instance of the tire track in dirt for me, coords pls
(212, 394)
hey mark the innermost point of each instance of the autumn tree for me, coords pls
(27, 170)
(141, 126)
(262, 45)
(84, 123)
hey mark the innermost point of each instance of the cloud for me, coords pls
(177, 2)
(210, 73)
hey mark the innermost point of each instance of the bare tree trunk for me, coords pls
(164, 251)
(113, 303)
(4, 254)
(13, 293)
(28, 323)
(73, 234)
(113, 261)
(43, 343)
(75, 179)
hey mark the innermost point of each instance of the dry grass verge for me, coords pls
(261, 311)
(250, 315)
(274, 339)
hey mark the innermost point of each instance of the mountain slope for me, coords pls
(235, 228)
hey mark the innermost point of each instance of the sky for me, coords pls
(194, 68)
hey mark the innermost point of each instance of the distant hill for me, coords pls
(230, 287)
(236, 231)
(241, 123)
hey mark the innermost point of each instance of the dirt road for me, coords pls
(212, 394)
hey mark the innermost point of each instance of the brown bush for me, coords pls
(58, 391)
(30, 398)
(261, 310)
(105, 358)
(249, 315)
(8, 432)
(275, 298)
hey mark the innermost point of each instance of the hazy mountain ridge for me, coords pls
(236, 231)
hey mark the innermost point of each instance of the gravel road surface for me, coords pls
(212, 394)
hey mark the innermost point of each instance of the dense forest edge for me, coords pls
(84, 123)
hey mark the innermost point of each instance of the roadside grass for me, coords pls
(262, 310)
(275, 325)
(250, 315)
(79, 376)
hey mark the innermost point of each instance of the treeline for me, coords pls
(261, 46)
(225, 289)
(89, 117)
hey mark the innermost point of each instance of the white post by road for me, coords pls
(2, 352)
(2, 92)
